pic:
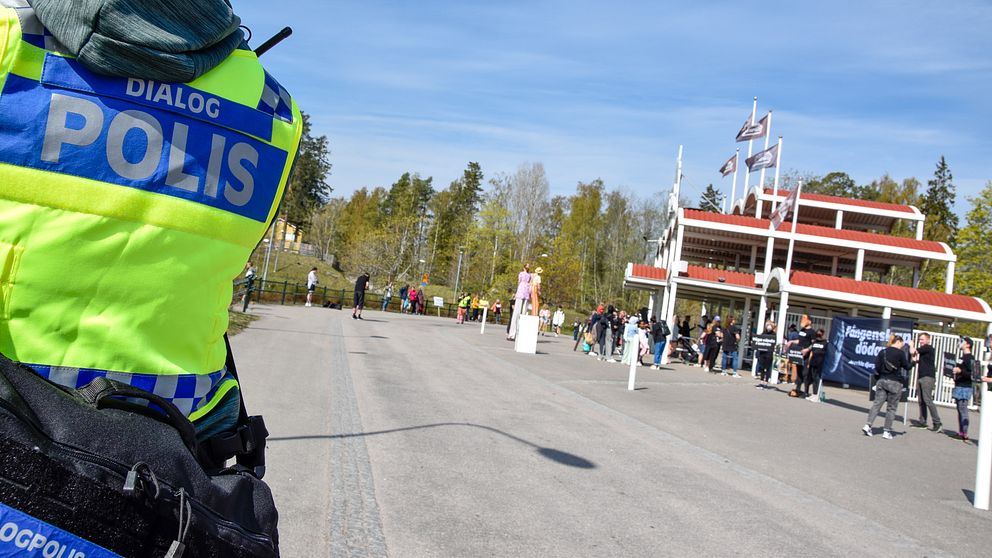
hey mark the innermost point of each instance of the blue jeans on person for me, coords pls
(385, 302)
(659, 349)
(732, 357)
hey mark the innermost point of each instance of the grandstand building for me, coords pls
(842, 261)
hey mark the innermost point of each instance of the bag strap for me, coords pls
(103, 393)
(247, 441)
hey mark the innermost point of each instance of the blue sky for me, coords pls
(610, 89)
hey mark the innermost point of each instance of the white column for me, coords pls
(783, 309)
(737, 261)
(949, 278)
(839, 221)
(916, 276)
(887, 313)
(669, 311)
(651, 304)
(663, 310)
(854, 312)
(919, 230)
(754, 259)
(758, 206)
(768, 256)
(859, 266)
(833, 266)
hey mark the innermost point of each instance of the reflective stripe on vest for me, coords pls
(126, 208)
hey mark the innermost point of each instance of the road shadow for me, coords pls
(558, 456)
(969, 495)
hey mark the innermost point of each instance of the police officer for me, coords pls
(149, 165)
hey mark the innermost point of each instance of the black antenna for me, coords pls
(276, 39)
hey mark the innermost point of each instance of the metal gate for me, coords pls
(941, 342)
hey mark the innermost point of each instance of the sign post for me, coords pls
(438, 303)
(485, 311)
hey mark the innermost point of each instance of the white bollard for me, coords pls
(484, 312)
(983, 468)
(633, 365)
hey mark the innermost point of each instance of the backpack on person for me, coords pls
(665, 330)
(88, 468)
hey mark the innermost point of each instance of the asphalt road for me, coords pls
(412, 436)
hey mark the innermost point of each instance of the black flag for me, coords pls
(730, 166)
(753, 131)
(763, 159)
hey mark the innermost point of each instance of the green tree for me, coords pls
(941, 223)
(711, 200)
(308, 189)
(839, 184)
(973, 274)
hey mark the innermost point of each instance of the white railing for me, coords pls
(942, 343)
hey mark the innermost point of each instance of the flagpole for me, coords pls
(747, 172)
(761, 177)
(778, 159)
(733, 189)
(792, 236)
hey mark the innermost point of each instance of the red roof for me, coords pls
(846, 201)
(715, 275)
(737, 220)
(818, 231)
(847, 286)
(867, 237)
(642, 271)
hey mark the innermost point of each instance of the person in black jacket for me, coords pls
(926, 379)
(963, 386)
(889, 365)
(817, 352)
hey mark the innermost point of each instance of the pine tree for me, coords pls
(308, 190)
(711, 200)
(941, 223)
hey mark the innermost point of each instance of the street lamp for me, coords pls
(268, 250)
(458, 274)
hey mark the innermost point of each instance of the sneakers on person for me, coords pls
(917, 424)
(592, 353)
(654, 367)
(813, 398)
(611, 360)
(887, 435)
(867, 430)
(936, 427)
(736, 375)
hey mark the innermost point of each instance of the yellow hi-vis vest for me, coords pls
(127, 206)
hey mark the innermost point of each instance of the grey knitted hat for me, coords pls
(164, 40)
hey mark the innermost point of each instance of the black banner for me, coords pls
(854, 343)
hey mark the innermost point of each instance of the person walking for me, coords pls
(817, 354)
(659, 332)
(250, 275)
(362, 284)
(386, 296)
(497, 310)
(404, 301)
(712, 345)
(731, 337)
(475, 308)
(630, 342)
(889, 365)
(964, 376)
(685, 330)
(558, 320)
(463, 304)
(311, 285)
(411, 302)
(421, 302)
(764, 351)
(926, 380)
